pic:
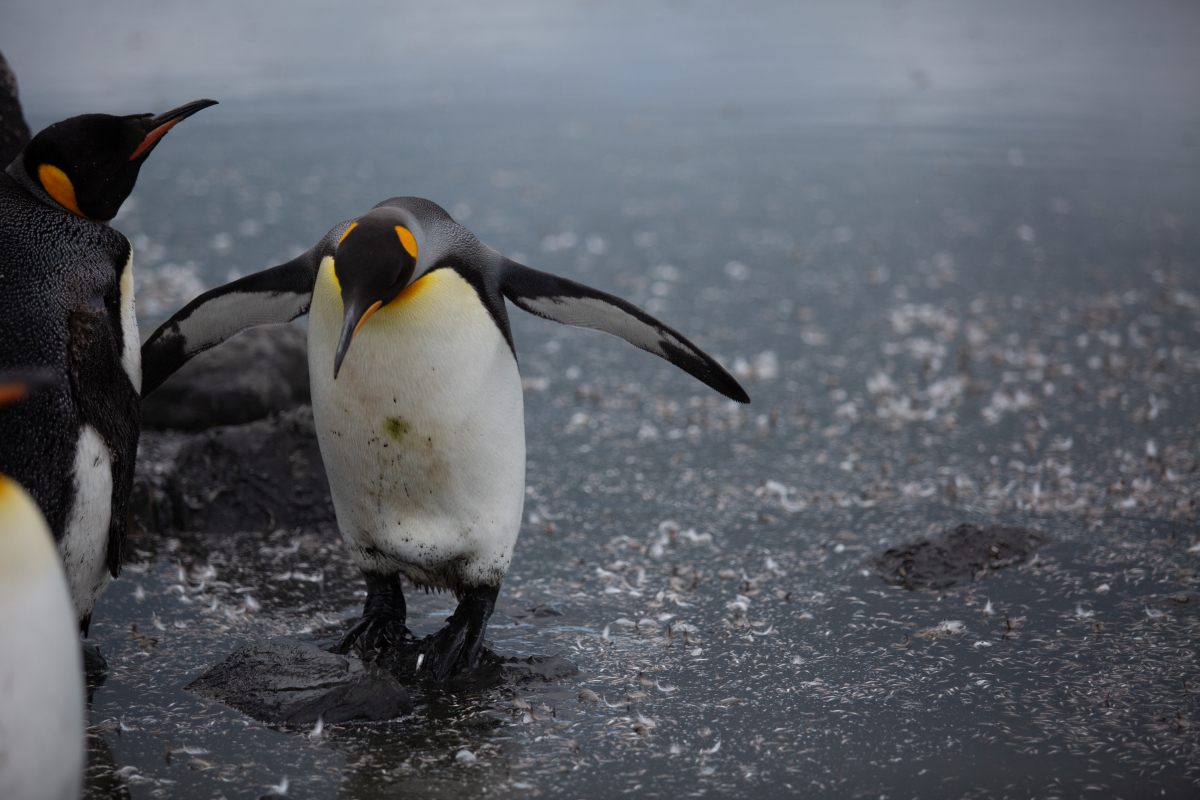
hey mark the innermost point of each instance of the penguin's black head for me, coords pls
(374, 262)
(89, 164)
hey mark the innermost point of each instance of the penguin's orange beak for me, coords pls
(12, 392)
(167, 120)
(18, 384)
(350, 325)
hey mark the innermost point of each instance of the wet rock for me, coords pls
(263, 476)
(493, 670)
(962, 554)
(14, 131)
(261, 372)
(284, 681)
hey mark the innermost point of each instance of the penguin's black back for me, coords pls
(60, 308)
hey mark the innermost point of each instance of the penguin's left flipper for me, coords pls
(572, 303)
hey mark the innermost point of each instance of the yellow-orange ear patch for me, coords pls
(353, 225)
(407, 239)
(59, 186)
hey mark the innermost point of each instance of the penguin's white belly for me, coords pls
(41, 673)
(422, 432)
(84, 545)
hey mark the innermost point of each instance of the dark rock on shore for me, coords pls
(260, 372)
(494, 669)
(14, 130)
(262, 476)
(284, 681)
(962, 554)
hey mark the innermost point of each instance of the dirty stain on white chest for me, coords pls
(422, 432)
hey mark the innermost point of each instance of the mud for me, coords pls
(968, 552)
(285, 681)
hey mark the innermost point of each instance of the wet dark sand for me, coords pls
(709, 567)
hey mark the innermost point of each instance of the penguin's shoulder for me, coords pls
(485, 286)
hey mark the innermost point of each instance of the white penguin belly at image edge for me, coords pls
(41, 668)
(417, 399)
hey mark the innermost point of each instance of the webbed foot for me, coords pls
(383, 620)
(456, 648)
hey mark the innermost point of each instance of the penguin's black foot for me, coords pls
(456, 648)
(370, 634)
(95, 667)
(383, 619)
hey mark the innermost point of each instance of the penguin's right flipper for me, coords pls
(273, 296)
(571, 303)
(278, 294)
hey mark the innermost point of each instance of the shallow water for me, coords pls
(968, 296)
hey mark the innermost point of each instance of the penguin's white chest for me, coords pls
(422, 432)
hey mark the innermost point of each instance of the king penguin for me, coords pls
(66, 303)
(417, 399)
(41, 670)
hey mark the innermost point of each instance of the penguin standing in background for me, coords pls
(66, 303)
(41, 676)
(417, 399)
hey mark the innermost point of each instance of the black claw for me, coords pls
(382, 622)
(456, 648)
(371, 634)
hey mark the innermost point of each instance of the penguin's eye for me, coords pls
(408, 240)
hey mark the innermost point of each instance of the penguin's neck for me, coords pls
(16, 170)
(131, 347)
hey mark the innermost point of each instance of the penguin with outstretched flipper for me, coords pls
(417, 399)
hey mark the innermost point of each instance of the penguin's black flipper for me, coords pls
(273, 296)
(571, 303)
(107, 401)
